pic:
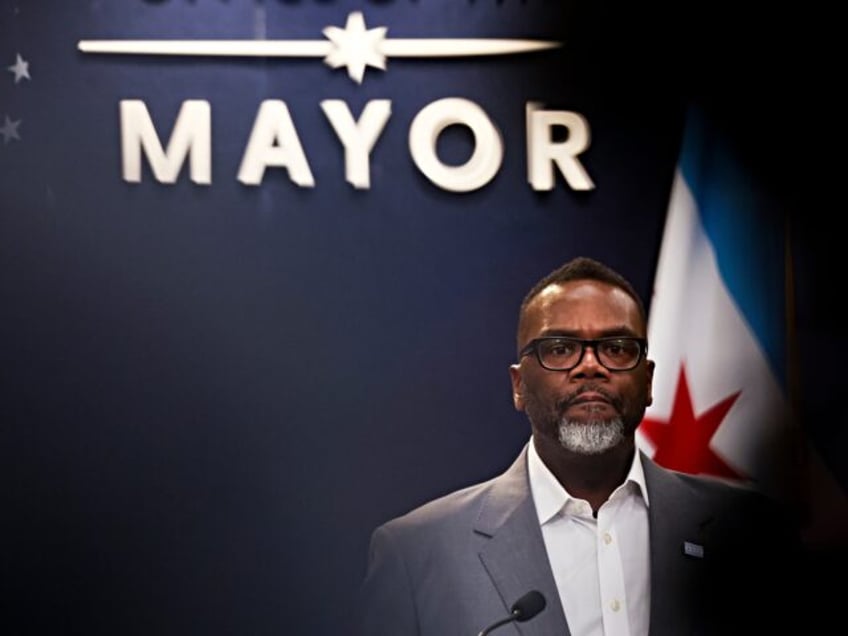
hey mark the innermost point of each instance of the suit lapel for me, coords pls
(515, 556)
(677, 551)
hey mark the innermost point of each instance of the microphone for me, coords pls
(522, 610)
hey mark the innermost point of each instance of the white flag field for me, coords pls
(719, 330)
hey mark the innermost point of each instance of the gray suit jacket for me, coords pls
(457, 564)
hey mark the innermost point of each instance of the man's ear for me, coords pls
(649, 390)
(517, 386)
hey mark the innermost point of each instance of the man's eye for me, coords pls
(561, 349)
(620, 349)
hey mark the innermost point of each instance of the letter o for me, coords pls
(488, 145)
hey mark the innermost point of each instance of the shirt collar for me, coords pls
(550, 497)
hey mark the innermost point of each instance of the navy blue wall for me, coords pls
(210, 394)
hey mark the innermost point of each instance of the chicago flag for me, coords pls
(718, 324)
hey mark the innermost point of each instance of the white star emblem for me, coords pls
(10, 130)
(20, 68)
(356, 47)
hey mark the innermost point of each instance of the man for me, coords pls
(617, 545)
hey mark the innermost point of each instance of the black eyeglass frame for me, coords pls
(533, 347)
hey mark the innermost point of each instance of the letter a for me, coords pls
(274, 142)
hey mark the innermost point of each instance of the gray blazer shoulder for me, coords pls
(457, 564)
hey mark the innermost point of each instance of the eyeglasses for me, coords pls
(557, 353)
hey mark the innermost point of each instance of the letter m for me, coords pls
(191, 137)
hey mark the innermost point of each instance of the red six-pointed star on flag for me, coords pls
(683, 442)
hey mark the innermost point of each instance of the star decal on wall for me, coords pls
(356, 47)
(9, 130)
(683, 442)
(20, 68)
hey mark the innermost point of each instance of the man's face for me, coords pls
(589, 408)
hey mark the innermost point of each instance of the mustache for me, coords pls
(569, 398)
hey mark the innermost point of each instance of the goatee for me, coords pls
(590, 437)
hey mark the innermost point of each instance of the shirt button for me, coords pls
(615, 605)
(607, 538)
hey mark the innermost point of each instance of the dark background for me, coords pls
(210, 395)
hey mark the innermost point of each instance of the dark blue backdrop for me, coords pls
(211, 394)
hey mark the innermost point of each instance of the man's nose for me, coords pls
(589, 364)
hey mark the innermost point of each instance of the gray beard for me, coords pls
(591, 437)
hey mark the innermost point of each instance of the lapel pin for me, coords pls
(693, 550)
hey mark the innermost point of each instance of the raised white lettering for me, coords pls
(190, 136)
(358, 138)
(274, 142)
(486, 159)
(543, 153)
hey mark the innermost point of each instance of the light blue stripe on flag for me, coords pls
(747, 230)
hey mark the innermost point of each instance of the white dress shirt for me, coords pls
(601, 566)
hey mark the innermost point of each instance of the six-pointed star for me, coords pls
(683, 442)
(356, 47)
